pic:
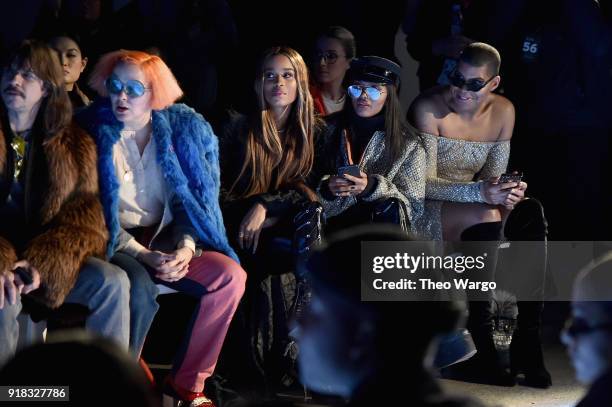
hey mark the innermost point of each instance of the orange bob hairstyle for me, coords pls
(165, 90)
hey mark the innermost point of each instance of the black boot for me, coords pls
(485, 367)
(526, 348)
(308, 226)
(528, 223)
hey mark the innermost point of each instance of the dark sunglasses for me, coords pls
(356, 91)
(575, 327)
(471, 85)
(132, 88)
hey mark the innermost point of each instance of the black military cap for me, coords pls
(375, 69)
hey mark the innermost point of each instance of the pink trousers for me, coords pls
(219, 282)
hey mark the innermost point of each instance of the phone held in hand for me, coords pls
(510, 177)
(350, 170)
(24, 274)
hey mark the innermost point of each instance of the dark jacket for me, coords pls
(232, 146)
(599, 394)
(63, 222)
(430, 20)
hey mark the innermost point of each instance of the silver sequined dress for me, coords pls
(455, 169)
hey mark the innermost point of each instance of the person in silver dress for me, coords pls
(467, 130)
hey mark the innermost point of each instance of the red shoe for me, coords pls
(174, 396)
(147, 371)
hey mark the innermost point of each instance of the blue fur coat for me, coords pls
(187, 153)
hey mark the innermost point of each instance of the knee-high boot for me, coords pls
(526, 348)
(485, 366)
(527, 223)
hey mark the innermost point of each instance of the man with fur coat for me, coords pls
(51, 220)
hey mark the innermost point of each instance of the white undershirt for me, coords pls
(141, 190)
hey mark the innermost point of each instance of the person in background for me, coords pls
(83, 362)
(353, 348)
(588, 334)
(559, 76)
(334, 50)
(73, 64)
(437, 31)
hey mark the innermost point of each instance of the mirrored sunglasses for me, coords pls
(132, 88)
(373, 93)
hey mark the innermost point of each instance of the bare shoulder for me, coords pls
(503, 109)
(426, 110)
(503, 113)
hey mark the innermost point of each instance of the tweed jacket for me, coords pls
(403, 179)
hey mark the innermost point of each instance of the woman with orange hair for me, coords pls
(265, 160)
(159, 181)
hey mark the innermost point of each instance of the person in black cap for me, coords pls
(355, 349)
(369, 165)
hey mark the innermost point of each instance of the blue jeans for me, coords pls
(104, 289)
(101, 287)
(9, 330)
(143, 299)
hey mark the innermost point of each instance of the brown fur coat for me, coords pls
(62, 197)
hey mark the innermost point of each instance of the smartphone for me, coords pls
(350, 170)
(510, 177)
(24, 274)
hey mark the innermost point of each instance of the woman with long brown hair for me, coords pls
(265, 161)
(267, 157)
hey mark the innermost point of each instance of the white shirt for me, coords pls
(141, 190)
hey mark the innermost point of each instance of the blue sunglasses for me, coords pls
(356, 91)
(132, 88)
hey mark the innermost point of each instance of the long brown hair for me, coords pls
(395, 127)
(275, 161)
(43, 61)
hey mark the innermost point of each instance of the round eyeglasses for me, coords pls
(329, 57)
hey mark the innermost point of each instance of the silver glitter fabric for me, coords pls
(403, 179)
(455, 171)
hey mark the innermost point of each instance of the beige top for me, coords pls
(142, 197)
(333, 106)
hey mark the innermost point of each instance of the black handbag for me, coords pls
(391, 210)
